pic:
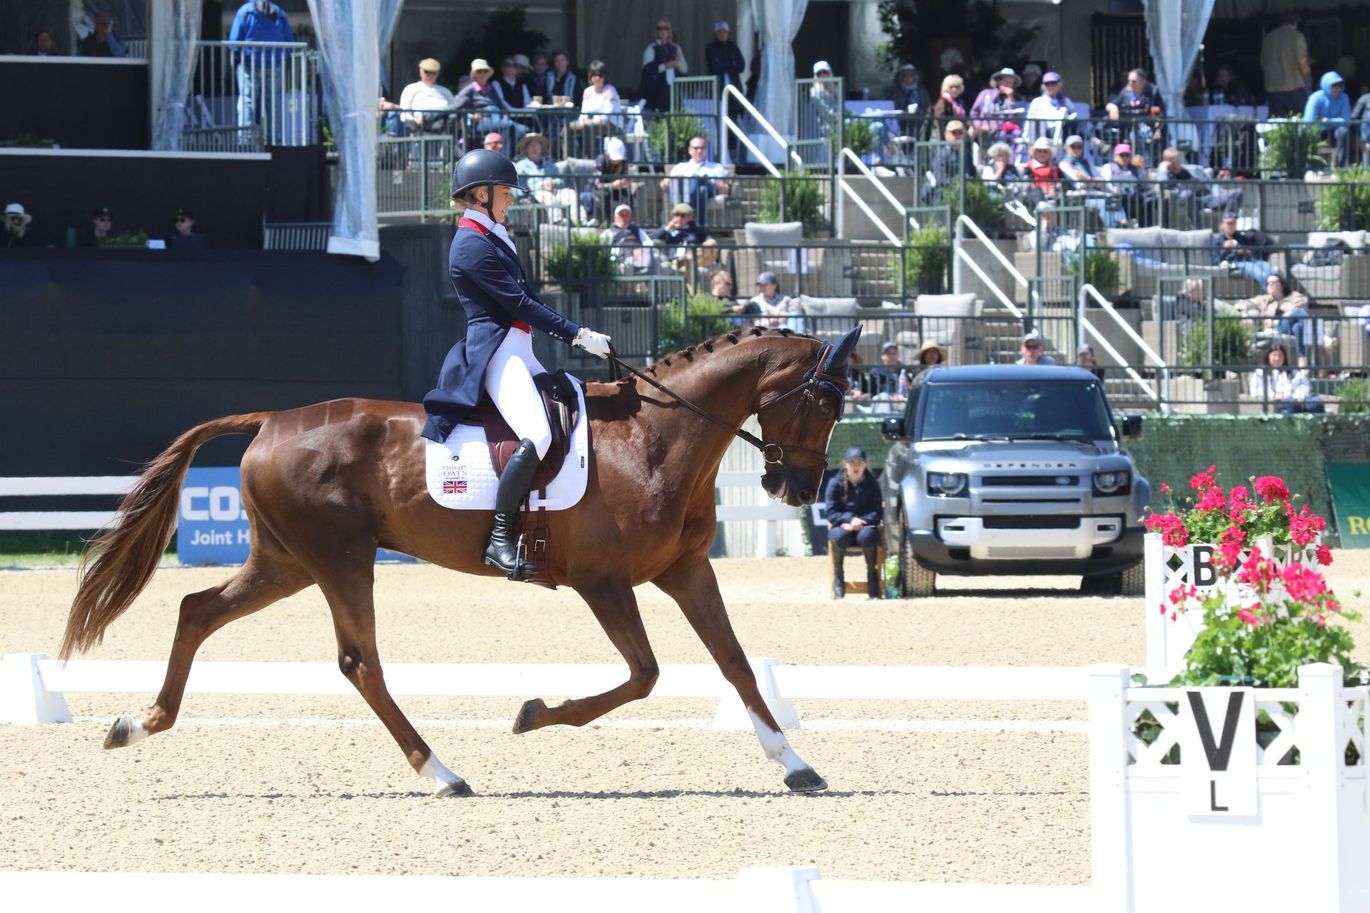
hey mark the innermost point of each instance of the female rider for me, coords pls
(497, 354)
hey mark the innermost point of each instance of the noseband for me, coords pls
(815, 381)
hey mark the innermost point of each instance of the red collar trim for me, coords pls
(472, 223)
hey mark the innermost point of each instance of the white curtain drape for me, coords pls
(174, 29)
(778, 22)
(350, 36)
(1175, 30)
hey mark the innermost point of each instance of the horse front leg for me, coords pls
(692, 584)
(615, 608)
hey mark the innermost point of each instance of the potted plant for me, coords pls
(1345, 204)
(794, 197)
(925, 260)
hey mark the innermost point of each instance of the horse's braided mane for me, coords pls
(688, 354)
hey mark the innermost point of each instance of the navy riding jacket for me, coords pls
(493, 291)
(862, 499)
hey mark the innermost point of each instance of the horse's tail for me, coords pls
(122, 559)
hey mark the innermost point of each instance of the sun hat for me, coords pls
(682, 209)
(17, 209)
(1074, 139)
(615, 149)
(1008, 72)
(522, 61)
(430, 65)
(1032, 336)
(721, 26)
(1043, 143)
(1122, 149)
(820, 66)
(481, 65)
(531, 138)
(955, 125)
(622, 207)
(930, 345)
(1050, 76)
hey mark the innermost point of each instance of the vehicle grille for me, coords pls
(1026, 481)
(1027, 551)
(1031, 522)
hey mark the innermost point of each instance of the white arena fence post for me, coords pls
(1108, 754)
(24, 698)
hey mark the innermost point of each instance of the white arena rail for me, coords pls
(802, 890)
(32, 686)
(14, 487)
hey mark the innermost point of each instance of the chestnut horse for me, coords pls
(325, 485)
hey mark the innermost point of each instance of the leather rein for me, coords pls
(772, 453)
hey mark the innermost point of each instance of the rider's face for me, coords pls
(504, 198)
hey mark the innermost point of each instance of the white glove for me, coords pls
(592, 342)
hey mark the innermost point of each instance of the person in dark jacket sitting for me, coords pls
(853, 507)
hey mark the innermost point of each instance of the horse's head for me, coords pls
(797, 416)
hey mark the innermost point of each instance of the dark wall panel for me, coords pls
(108, 355)
(76, 104)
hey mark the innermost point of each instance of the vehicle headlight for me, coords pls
(1113, 482)
(946, 484)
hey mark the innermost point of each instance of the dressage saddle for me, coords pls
(563, 411)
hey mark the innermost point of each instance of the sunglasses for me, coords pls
(1032, 345)
(693, 148)
(957, 132)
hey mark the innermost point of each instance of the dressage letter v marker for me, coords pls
(1218, 754)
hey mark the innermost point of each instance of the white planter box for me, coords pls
(1305, 841)
(1167, 567)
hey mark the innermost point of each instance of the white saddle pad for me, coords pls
(460, 475)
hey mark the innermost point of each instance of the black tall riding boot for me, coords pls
(839, 582)
(513, 488)
(873, 590)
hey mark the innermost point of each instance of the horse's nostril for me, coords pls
(806, 497)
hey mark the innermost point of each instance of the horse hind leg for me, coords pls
(615, 608)
(269, 574)
(692, 584)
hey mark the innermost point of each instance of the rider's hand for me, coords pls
(592, 342)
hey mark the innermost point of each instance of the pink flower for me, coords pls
(1304, 526)
(1204, 480)
(1272, 488)
(1171, 528)
(1212, 500)
(1248, 616)
(1302, 583)
(1165, 488)
(1324, 555)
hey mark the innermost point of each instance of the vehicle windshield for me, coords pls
(1016, 410)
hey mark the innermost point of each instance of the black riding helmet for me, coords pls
(483, 167)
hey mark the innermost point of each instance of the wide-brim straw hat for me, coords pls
(529, 138)
(930, 345)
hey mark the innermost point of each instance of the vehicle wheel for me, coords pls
(1133, 581)
(918, 580)
(1101, 584)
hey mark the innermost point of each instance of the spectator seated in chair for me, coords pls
(1246, 250)
(629, 243)
(680, 233)
(1286, 386)
(853, 507)
(1281, 309)
(698, 180)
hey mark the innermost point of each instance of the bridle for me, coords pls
(815, 381)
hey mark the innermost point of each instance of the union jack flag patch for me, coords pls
(454, 486)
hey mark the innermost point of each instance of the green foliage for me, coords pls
(1345, 205)
(125, 239)
(1355, 394)
(1231, 342)
(983, 207)
(925, 260)
(585, 258)
(26, 140)
(504, 32)
(794, 197)
(1291, 149)
(915, 27)
(670, 135)
(680, 325)
(859, 137)
(1101, 271)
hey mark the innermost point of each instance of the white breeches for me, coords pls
(509, 381)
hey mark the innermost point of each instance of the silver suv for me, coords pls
(1013, 469)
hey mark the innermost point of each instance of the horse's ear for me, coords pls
(836, 362)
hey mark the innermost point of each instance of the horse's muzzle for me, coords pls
(797, 488)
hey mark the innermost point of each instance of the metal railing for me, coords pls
(296, 235)
(270, 91)
(962, 257)
(733, 129)
(845, 190)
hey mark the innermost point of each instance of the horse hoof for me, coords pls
(526, 721)
(805, 781)
(125, 731)
(459, 790)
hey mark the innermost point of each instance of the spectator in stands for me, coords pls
(540, 79)
(1189, 305)
(1031, 352)
(508, 89)
(948, 106)
(889, 380)
(909, 94)
(1192, 188)
(43, 45)
(1284, 63)
(681, 233)
(17, 226)
(951, 160)
(1246, 250)
(1330, 109)
(1042, 170)
(999, 116)
(541, 178)
(564, 83)
(1127, 180)
(930, 355)
(1138, 107)
(525, 69)
(425, 105)
(778, 309)
(185, 237)
(825, 108)
(1227, 89)
(1085, 358)
(613, 182)
(723, 58)
(698, 179)
(998, 168)
(662, 61)
(261, 83)
(494, 141)
(853, 507)
(1281, 309)
(600, 98)
(104, 43)
(101, 224)
(1079, 174)
(1048, 110)
(740, 313)
(484, 107)
(1281, 383)
(629, 243)
(1361, 115)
